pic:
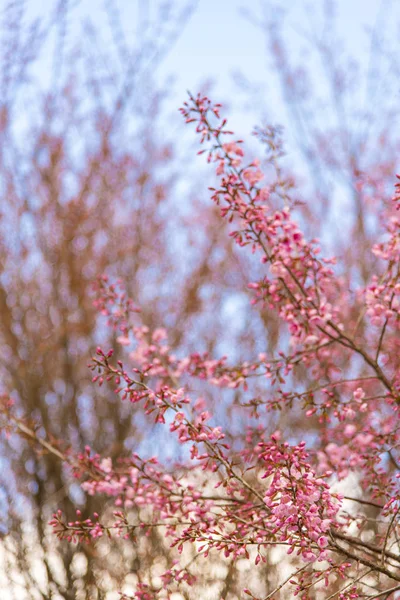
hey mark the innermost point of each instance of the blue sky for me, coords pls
(218, 40)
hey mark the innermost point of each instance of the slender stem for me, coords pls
(281, 585)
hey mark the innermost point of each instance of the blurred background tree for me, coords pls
(90, 183)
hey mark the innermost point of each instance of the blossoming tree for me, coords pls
(242, 489)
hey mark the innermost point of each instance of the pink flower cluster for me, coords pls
(266, 491)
